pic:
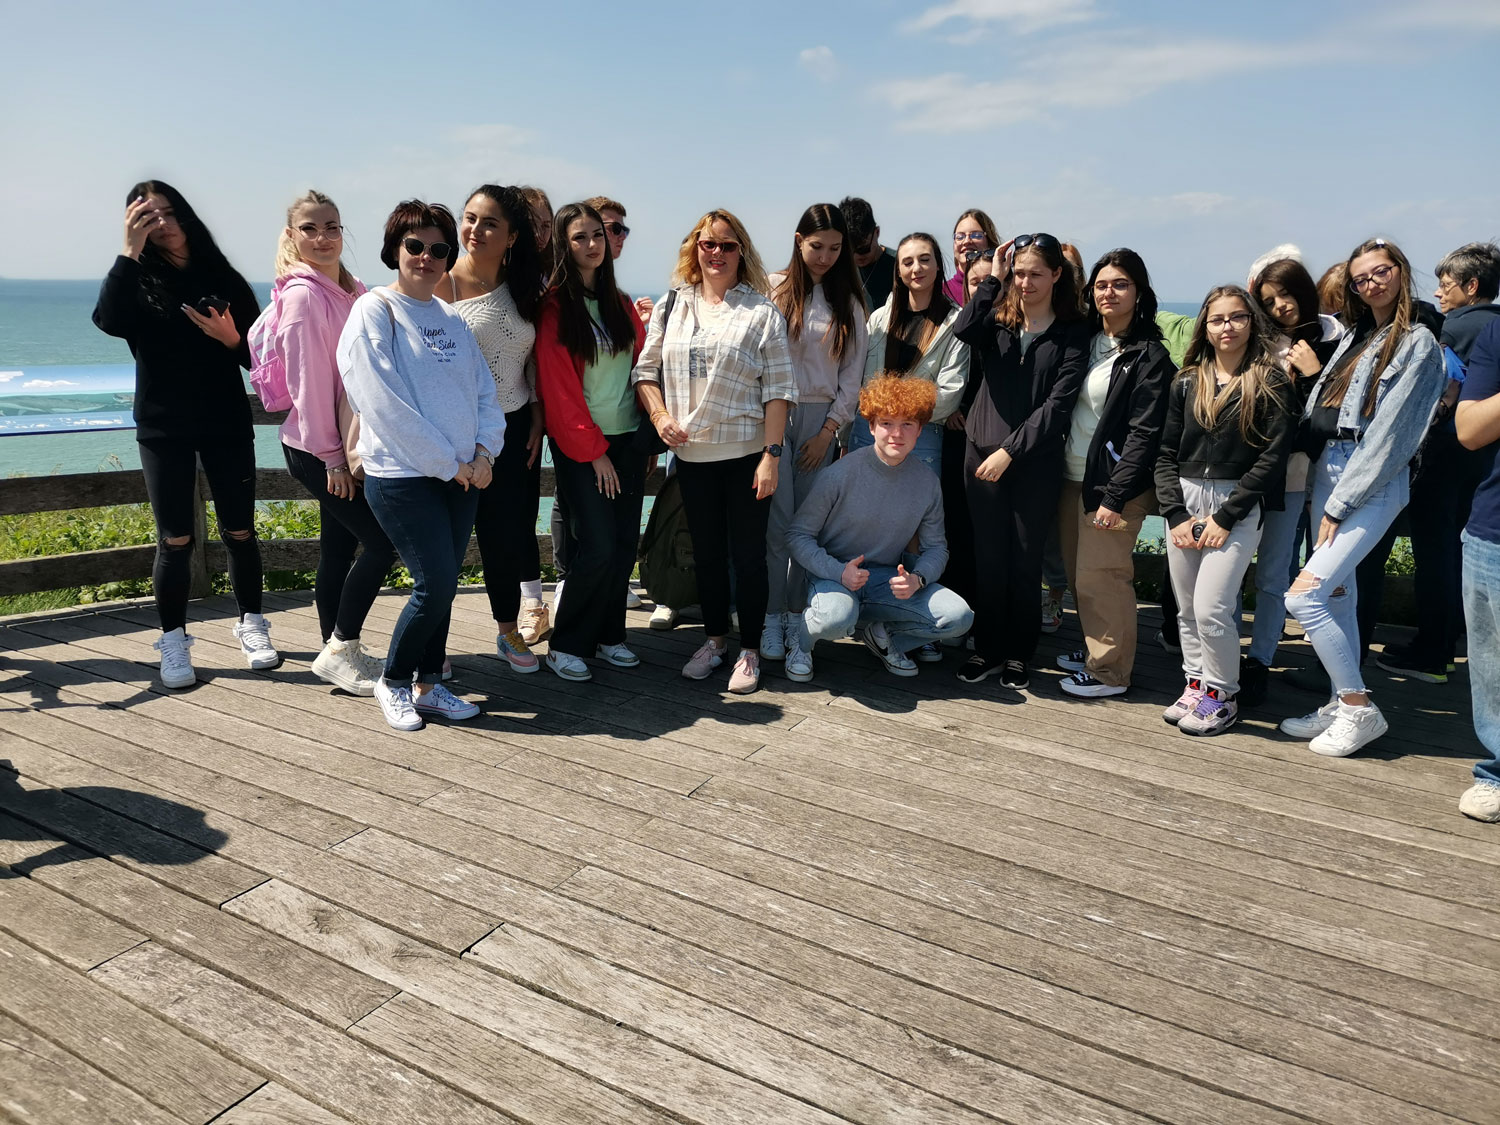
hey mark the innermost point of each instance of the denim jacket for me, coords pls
(1408, 395)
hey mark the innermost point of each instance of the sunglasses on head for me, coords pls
(618, 229)
(438, 250)
(712, 246)
(1040, 241)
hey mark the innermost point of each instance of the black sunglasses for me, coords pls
(1041, 241)
(438, 250)
(619, 230)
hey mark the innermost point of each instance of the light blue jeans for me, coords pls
(933, 613)
(929, 447)
(1482, 614)
(1273, 561)
(1328, 614)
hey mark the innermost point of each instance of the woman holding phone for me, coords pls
(186, 312)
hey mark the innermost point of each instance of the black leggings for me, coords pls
(347, 587)
(506, 522)
(723, 517)
(170, 466)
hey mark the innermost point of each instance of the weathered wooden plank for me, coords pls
(42, 1083)
(311, 1059)
(66, 491)
(675, 1082)
(137, 1050)
(84, 568)
(274, 1104)
(72, 933)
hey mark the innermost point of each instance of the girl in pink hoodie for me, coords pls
(315, 293)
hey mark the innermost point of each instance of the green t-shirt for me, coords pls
(606, 384)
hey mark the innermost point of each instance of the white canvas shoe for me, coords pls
(176, 665)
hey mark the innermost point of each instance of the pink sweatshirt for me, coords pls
(313, 311)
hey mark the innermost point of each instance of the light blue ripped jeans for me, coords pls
(1328, 614)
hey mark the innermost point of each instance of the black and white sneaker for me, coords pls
(1075, 661)
(1082, 685)
(977, 669)
(1015, 675)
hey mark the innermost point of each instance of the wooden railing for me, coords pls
(71, 491)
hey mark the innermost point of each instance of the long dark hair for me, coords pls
(841, 284)
(1143, 324)
(579, 332)
(1292, 276)
(522, 269)
(1065, 297)
(908, 328)
(160, 274)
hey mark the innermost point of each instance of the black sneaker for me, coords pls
(1254, 676)
(1402, 661)
(1015, 675)
(977, 668)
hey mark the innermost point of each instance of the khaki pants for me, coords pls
(1101, 570)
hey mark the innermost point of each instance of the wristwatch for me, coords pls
(773, 450)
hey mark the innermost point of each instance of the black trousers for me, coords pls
(958, 575)
(1011, 518)
(605, 533)
(724, 519)
(505, 526)
(170, 467)
(347, 586)
(1441, 496)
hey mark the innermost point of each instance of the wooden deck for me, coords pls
(641, 900)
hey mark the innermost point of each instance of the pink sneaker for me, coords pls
(704, 661)
(512, 648)
(746, 675)
(1186, 704)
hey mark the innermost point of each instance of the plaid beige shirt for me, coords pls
(737, 361)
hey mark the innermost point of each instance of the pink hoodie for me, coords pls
(313, 311)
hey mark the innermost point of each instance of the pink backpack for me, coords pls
(267, 368)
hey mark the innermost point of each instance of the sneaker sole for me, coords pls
(1302, 734)
(1385, 728)
(1412, 673)
(1207, 733)
(657, 623)
(979, 677)
(772, 655)
(636, 663)
(451, 716)
(263, 664)
(880, 656)
(521, 669)
(799, 677)
(745, 689)
(177, 685)
(571, 677)
(1103, 692)
(929, 658)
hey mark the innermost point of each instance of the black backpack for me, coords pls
(666, 551)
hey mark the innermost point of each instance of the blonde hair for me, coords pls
(751, 272)
(287, 257)
(1256, 393)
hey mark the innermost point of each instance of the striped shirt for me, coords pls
(718, 366)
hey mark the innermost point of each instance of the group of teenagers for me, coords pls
(864, 444)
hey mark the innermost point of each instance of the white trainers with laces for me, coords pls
(1481, 801)
(568, 666)
(396, 705)
(438, 700)
(1352, 729)
(339, 664)
(773, 637)
(176, 665)
(663, 617)
(618, 655)
(1312, 724)
(254, 634)
(799, 664)
(878, 641)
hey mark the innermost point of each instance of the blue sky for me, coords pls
(1199, 134)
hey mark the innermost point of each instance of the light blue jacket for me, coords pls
(1405, 401)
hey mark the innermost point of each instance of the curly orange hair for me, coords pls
(894, 396)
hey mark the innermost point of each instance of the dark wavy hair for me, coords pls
(577, 330)
(907, 326)
(1143, 324)
(1065, 297)
(413, 214)
(1292, 276)
(841, 284)
(203, 251)
(522, 268)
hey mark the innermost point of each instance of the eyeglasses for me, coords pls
(619, 230)
(712, 246)
(438, 250)
(970, 236)
(1118, 285)
(1233, 320)
(1040, 241)
(1376, 276)
(332, 230)
(865, 248)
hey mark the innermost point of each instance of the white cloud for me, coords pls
(45, 384)
(1020, 16)
(1474, 16)
(819, 62)
(7, 376)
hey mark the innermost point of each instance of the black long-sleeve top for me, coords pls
(1121, 462)
(186, 382)
(1188, 450)
(1028, 395)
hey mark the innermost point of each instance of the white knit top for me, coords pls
(506, 339)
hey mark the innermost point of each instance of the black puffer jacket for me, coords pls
(1122, 455)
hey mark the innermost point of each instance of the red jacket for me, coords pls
(559, 384)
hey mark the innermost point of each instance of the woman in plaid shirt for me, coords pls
(715, 378)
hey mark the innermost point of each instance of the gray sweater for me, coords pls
(859, 505)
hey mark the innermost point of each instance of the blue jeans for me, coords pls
(1329, 614)
(933, 613)
(1482, 612)
(429, 522)
(928, 450)
(1273, 564)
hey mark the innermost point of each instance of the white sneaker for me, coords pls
(176, 665)
(1314, 723)
(254, 635)
(339, 664)
(773, 637)
(618, 655)
(632, 599)
(663, 617)
(1353, 728)
(799, 665)
(396, 705)
(438, 700)
(1480, 801)
(371, 667)
(878, 641)
(568, 667)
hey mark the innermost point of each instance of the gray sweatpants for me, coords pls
(1207, 583)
